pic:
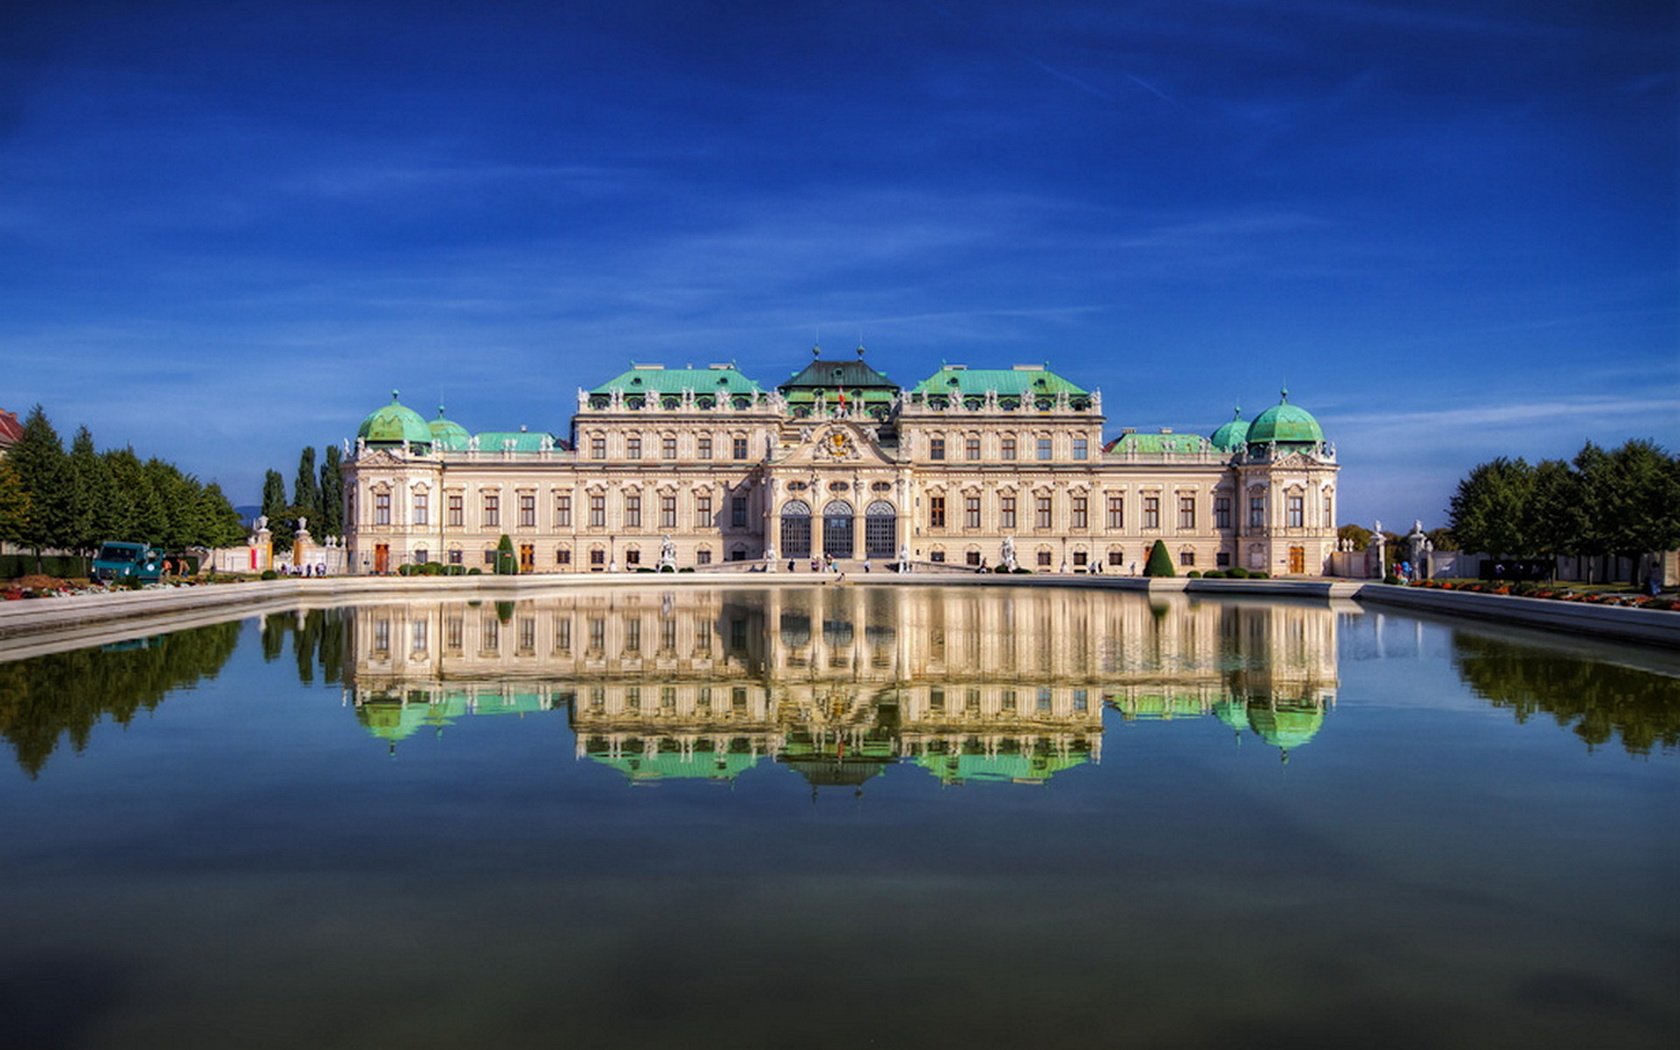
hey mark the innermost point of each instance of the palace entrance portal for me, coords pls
(880, 530)
(837, 529)
(796, 529)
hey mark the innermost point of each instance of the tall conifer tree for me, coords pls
(38, 457)
(332, 494)
(306, 492)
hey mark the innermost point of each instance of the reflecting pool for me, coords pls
(840, 816)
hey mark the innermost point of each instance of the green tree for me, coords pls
(1593, 482)
(89, 494)
(1489, 508)
(506, 565)
(306, 492)
(1160, 562)
(1552, 518)
(332, 494)
(277, 510)
(16, 507)
(1643, 505)
(1360, 535)
(122, 514)
(38, 457)
(1442, 539)
(220, 522)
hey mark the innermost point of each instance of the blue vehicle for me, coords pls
(118, 561)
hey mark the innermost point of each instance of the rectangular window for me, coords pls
(703, 556)
(1080, 513)
(421, 556)
(422, 508)
(1081, 448)
(1044, 559)
(382, 508)
(972, 558)
(1222, 560)
(668, 447)
(936, 512)
(633, 447)
(598, 447)
(563, 634)
(417, 636)
(971, 512)
(1256, 512)
(563, 556)
(705, 446)
(492, 509)
(936, 448)
(971, 449)
(667, 512)
(738, 511)
(528, 510)
(1043, 448)
(938, 556)
(1009, 447)
(738, 447)
(455, 557)
(1187, 559)
(1116, 512)
(1151, 512)
(633, 557)
(1116, 557)
(632, 510)
(563, 511)
(1006, 512)
(454, 629)
(1079, 559)
(457, 509)
(597, 512)
(703, 510)
(1187, 512)
(1222, 512)
(1329, 512)
(1297, 511)
(597, 558)
(1042, 515)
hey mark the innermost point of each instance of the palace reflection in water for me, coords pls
(839, 682)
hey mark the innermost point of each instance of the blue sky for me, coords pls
(228, 230)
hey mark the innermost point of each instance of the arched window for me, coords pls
(880, 530)
(837, 529)
(796, 529)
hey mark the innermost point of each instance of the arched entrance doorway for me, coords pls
(880, 530)
(837, 529)
(796, 529)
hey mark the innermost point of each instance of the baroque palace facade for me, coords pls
(970, 466)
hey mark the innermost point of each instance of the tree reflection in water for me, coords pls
(48, 697)
(1599, 700)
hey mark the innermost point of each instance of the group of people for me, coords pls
(300, 570)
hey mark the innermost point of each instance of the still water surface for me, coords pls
(843, 816)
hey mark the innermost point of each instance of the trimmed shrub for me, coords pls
(1237, 573)
(1214, 574)
(505, 563)
(475, 571)
(1160, 562)
(1259, 574)
(431, 568)
(1194, 575)
(686, 568)
(270, 574)
(1022, 570)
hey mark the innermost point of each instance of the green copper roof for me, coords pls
(447, 435)
(1159, 444)
(1233, 435)
(674, 765)
(1285, 423)
(1286, 727)
(829, 375)
(1030, 380)
(523, 440)
(394, 424)
(657, 379)
(1010, 768)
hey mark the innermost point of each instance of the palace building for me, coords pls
(697, 467)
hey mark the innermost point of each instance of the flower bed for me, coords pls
(1667, 603)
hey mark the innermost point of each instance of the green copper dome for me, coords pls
(394, 424)
(1286, 727)
(447, 434)
(1233, 435)
(1285, 424)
